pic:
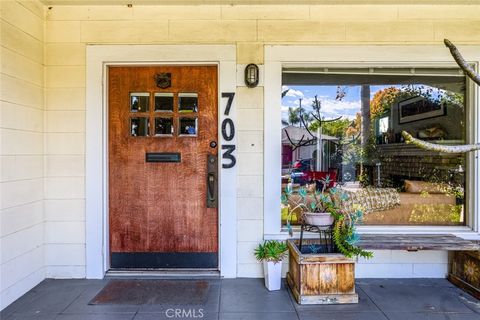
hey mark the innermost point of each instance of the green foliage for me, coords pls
(294, 116)
(343, 233)
(336, 128)
(317, 201)
(345, 236)
(271, 250)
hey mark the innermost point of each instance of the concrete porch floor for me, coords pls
(380, 299)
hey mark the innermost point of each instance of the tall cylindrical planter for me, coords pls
(273, 275)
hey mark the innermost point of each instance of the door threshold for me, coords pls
(162, 274)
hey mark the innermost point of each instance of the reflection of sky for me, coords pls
(331, 108)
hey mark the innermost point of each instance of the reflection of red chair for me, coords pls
(321, 175)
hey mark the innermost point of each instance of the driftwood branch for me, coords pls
(439, 147)
(462, 63)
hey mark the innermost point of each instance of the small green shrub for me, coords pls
(271, 250)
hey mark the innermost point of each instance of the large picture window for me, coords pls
(343, 128)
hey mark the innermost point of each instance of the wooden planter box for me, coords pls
(320, 278)
(465, 271)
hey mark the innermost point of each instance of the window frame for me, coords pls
(278, 57)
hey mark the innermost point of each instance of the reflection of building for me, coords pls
(289, 156)
(400, 161)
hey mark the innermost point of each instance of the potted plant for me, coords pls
(271, 253)
(317, 206)
(329, 207)
(325, 278)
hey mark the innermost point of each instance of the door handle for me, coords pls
(212, 185)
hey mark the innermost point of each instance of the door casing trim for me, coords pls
(99, 57)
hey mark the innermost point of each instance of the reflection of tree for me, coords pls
(336, 128)
(355, 126)
(366, 129)
(294, 115)
(384, 99)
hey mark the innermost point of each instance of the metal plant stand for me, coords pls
(325, 234)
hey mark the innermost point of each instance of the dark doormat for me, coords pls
(167, 292)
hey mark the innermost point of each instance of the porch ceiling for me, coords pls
(249, 2)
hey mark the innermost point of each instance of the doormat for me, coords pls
(167, 292)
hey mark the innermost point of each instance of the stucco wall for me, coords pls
(70, 28)
(22, 148)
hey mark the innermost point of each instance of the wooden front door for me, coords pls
(162, 189)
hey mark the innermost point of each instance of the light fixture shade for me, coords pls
(251, 75)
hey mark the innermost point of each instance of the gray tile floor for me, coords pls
(380, 299)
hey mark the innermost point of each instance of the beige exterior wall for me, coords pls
(22, 148)
(43, 107)
(70, 28)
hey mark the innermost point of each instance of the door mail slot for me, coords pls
(162, 157)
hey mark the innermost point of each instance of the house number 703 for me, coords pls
(228, 133)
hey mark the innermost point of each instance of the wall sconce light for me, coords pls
(251, 75)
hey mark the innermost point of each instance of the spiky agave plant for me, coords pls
(271, 250)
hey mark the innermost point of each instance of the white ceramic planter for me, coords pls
(318, 218)
(273, 275)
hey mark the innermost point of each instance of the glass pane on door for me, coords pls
(139, 127)
(164, 102)
(163, 126)
(139, 101)
(188, 126)
(187, 102)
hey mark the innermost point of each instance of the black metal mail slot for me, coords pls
(162, 157)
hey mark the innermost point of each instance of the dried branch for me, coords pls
(289, 139)
(462, 63)
(331, 120)
(301, 143)
(314, 137)
(316, 118)
(303, 121)
(439, 147)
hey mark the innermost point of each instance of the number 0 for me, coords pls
(231, 134)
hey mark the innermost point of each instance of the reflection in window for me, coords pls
(187, 102)
(139, 127)
(164, 102)
(382, 132)
(362, 150)
(163, 126)
(188, 126)
(139, 101)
